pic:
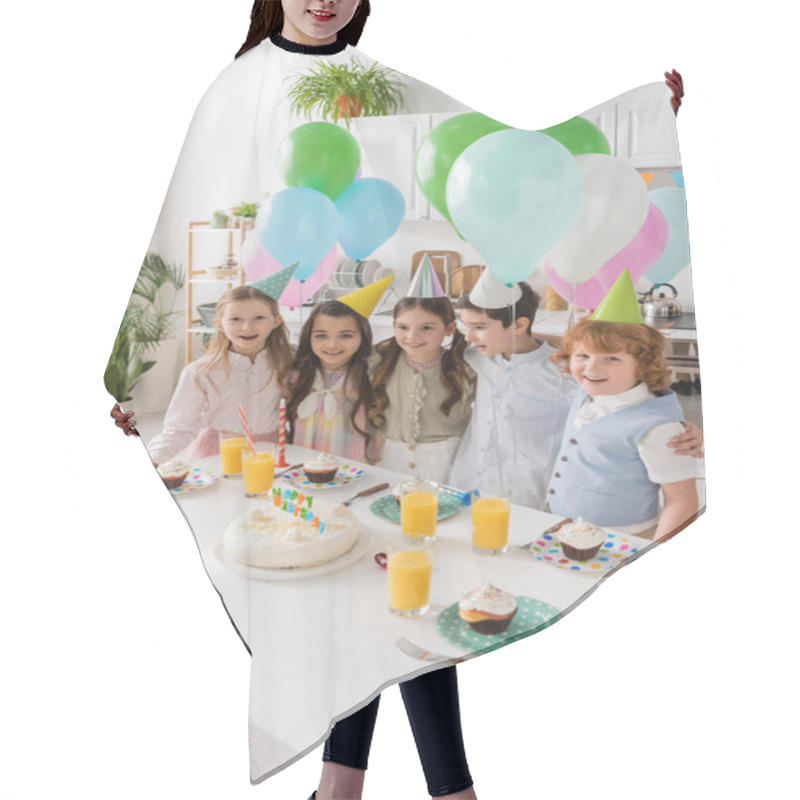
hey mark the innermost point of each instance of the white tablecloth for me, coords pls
(323, 646)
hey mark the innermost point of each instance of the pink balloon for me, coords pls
(258, 263)
(297, 292)
(584, 295)
(640, 253)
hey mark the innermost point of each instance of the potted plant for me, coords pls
(219, 219)
(244, 211)
(343, 91)
(148, 321)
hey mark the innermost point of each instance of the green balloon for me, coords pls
(321, 156)
(442, 146)
(579, 136)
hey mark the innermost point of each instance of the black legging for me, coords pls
(432, 706)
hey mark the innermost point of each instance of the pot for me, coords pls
(657, 305)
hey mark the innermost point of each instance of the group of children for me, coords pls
(587, 430)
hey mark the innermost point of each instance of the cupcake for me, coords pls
(488, 609)
(580, 540)
(173, 473)
(322, 468)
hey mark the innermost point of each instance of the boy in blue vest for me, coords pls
(614, 463)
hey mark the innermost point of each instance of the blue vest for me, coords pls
(598, 473)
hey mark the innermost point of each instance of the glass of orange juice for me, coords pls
(230, 451)
(491, 510)
(419, 505)
(409, 574)
(258, 472)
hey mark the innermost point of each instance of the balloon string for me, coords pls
(514, 436)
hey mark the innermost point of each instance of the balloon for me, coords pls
(579, 136)
(640, 253)
(513, 194)
(584, 295)
(370, 211)
(258, 263)
(672, 202)
(442, 146)
(613, 209)
(298, 225)
(321, 156)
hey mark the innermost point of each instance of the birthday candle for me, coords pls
(282, 435)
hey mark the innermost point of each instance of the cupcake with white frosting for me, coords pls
(322, 468)
(580, 540)
(488, 609)
(173, 473)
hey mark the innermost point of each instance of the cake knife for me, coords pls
(379, 488)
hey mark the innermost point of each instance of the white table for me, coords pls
(323, 645)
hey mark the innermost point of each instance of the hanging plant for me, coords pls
(344, 91)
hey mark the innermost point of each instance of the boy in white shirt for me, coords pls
(522, 399)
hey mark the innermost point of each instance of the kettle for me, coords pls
(657, 306)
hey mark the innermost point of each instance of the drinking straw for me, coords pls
(282, 435)
(246, 430)
(464, 497)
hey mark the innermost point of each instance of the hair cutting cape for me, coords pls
(569, 210)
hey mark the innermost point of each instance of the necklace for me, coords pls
(424, 364)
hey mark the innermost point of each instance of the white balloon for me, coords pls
(613, 209)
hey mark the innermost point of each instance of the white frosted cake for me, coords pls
(271, 538)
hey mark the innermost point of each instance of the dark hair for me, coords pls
(306, 364)
(524, 307)
(455, 373)
(266, 19)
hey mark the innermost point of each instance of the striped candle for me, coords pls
(282, 435)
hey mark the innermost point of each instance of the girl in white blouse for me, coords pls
(247, 364)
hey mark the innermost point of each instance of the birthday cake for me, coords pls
(275, 537)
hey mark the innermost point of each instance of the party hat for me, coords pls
(489, 292)
(425, 282)
(620, 303)
(275, 284)
(363, 301)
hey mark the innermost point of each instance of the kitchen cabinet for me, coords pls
(388, 150)
(637, 131)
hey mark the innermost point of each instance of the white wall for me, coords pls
(121, 676)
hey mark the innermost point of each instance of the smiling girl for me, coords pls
(247, 364)
(423, 390)
(614, 461)
(330, 384)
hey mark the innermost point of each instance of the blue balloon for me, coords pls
(298, 225)
(370, 211)
(672, 202)
(512, 195)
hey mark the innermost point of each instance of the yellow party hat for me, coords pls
(363, 301)
(620, 303)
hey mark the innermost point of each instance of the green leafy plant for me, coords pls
(245, 210)
(347, 90)
(148, 321)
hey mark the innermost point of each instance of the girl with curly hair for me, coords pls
(614, 463)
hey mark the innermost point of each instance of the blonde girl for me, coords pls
(615, 462)
(247, 364)
(423, 390)
(330, 389)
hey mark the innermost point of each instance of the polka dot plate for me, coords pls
(532, 616)
(347, 474)
(388, 508)
(614, 551)
(197, 479)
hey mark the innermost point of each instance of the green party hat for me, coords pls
(620, 303)
(275, 284)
